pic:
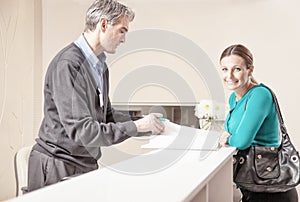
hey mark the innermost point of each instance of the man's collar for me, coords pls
(88, 52)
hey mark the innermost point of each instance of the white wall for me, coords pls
(20, 84)
(270, 28)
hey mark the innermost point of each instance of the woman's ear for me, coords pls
(251, 69)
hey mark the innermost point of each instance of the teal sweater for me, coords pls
(253, 119)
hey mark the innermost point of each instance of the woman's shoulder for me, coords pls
(260, 91)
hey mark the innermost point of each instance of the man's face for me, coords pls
(113, 35)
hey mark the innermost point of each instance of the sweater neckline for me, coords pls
(246, 94)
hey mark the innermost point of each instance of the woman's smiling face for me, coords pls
(236, 75)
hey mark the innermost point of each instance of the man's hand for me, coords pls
(150, 123)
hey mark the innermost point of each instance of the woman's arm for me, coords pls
(257, 109)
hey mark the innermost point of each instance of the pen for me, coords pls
(162, 119)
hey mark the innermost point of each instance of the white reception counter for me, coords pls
(162, 175)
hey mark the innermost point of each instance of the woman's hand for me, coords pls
(224, 138)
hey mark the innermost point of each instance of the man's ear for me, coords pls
(103, 24)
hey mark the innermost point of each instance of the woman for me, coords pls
(252, 119)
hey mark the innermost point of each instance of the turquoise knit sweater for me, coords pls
(253, 119)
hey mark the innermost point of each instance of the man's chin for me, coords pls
(111, 51)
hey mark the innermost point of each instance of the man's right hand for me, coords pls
(151, 123)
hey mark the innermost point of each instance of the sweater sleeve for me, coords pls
(76, 114)
(257, 108)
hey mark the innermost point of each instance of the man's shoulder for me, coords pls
(70, 56)
(69, 59)
(71, 53)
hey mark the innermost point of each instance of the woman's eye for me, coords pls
(237, 69)
(224, 69)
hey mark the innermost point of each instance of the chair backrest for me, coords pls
(21, 169)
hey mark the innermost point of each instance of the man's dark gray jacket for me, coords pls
(74, 126)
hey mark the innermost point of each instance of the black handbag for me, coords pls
(268, 169)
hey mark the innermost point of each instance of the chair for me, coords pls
(21, 169)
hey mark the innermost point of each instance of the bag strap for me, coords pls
(282, 126)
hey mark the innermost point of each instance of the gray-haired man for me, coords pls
(78, 118)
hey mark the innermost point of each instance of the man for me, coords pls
(78, 118)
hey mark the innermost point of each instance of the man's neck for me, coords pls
(94, 43)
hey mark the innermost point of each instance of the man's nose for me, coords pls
(123, 39)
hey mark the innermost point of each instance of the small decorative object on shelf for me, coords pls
(211, 114)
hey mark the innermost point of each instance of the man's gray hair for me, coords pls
(112, 10)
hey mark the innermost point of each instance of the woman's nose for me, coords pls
(227, 75)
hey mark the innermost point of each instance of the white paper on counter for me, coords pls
(183, 137)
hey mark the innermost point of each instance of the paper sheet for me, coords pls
(182, 137)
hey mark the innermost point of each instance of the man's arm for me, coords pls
(76, 115)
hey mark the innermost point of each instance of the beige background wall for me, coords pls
(271, 29)
(20, 83)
